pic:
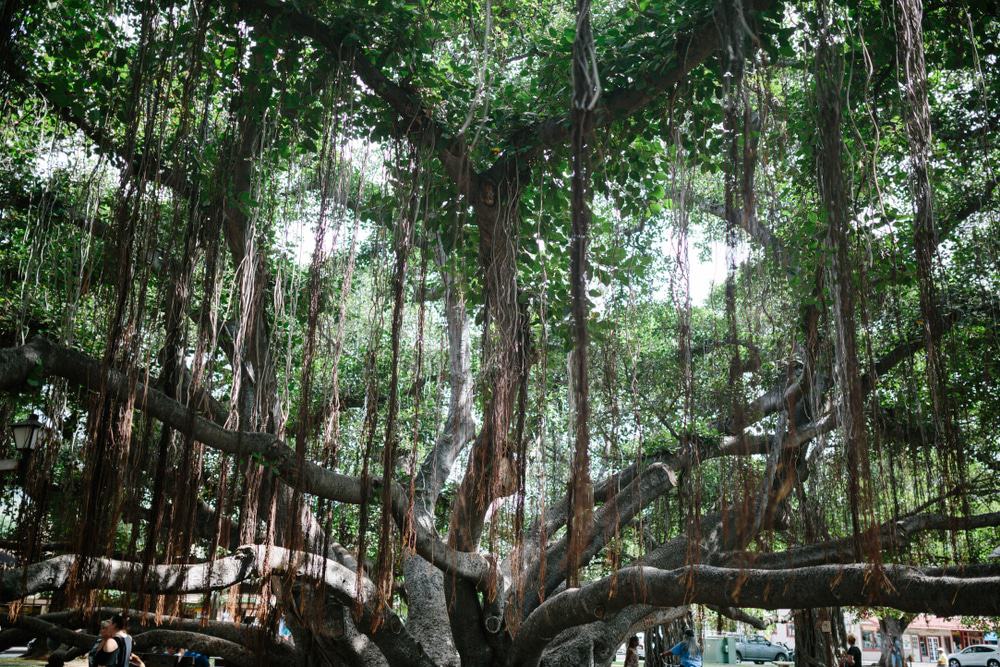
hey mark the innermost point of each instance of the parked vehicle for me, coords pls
(755, 648)
(978, 655)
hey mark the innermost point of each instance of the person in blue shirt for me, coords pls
(895, 654)
(688, 650)
(200, 660)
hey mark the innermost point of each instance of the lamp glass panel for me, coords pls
(22, 433)
(26, 434)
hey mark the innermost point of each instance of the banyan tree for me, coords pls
(395, 324)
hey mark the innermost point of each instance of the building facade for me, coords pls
(924, 638)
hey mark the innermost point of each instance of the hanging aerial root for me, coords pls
(586, 92)
(834, 194)
(384, 566)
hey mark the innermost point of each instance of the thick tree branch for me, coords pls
(601, 639)
(53, 574)
(425, 585)
(894, 537)
(460, 426)
(740, 615)
(39, 627)
(236, 633)
(41, 358)
(247, 563)
(622, 506)
(656, 480)
(904, 588)
(232, 653)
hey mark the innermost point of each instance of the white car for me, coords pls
(979, 655)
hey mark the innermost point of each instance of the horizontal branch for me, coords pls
(39, 627)
(41, 358)
(247, 563)
(232, 653)
(903, 588)
(108, 573)
(235, 633)
(894, 537)
(741, 616)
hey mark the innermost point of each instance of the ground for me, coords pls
(18, 662)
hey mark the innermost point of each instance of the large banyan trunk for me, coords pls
(656, 641)
(819, 633)
(662, 638)
(491, 472)
(890, 630)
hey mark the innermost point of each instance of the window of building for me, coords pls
(970, 637)
(870, 640)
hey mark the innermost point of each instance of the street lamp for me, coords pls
(26, 434)
(26, 437)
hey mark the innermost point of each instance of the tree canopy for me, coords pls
(397, 321)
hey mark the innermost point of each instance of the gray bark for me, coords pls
(425, 584)
(890, 630)
(905, 588)
(601, 639)
(815, 637)
(249, 562)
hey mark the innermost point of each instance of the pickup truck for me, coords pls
(754, 648)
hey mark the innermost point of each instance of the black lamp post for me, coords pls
(27, 435)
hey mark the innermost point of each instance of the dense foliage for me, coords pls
(298, 275)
